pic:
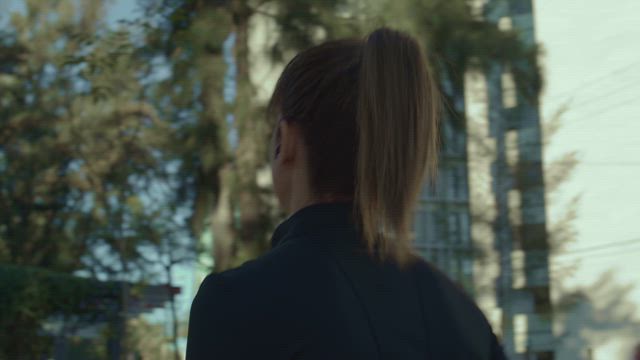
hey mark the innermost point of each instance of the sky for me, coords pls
(592, 64)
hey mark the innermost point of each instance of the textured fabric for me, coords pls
(318, 295)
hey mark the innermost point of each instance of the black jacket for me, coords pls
(317, 295)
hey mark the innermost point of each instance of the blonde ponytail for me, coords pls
(397, 115)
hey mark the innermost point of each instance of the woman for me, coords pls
(356, 131)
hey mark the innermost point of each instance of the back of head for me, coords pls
(368, 110)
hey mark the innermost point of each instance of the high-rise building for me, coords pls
(484, 223)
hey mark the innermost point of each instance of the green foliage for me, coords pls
(45, 152)
(194, 92)
(30, 295)
(81, 146)
(457, 40)
(84, 177)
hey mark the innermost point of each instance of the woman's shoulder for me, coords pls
(271, 277)
(242, 311)
(446, 302)
(432, 280)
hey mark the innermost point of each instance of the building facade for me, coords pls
(484, 223)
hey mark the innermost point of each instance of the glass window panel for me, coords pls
(463, 217)
(509, 95)
(435, 257)
(417, 226)
(467, 266)
(440, 227)
(443, 183)
(455, 183)
(429, 228)
(454, 230)
(453, 266)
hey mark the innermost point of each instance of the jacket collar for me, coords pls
(315, 219)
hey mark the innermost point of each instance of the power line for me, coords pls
(598, 163)
(599, 255)
(591, 82)
(604, 246)
(613, 163)
(610, 107)
(609, 93)
(593, 248)
(603, 106)
(580, 163)
(548, 262)
(613, 252)
(555, 267)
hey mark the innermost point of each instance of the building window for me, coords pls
(419, 227)
(505, 23)
(454, 262)
(518, 269)
(476, 7)
(521, 329)
(435, 258)
(467, 266)
(442, 184)
(457, 182)
(454, 140)
(509, 95)
(454, 228)
(464, 228)
(440, 227)
(427, 231)
(458, 227)
(429, 227)
(428, 192)
(511, 147)
(514, 201)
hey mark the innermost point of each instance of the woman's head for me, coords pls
(358, 119)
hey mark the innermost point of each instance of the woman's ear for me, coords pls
(287, 146)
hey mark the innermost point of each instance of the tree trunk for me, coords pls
(239, 217)
(252, 146)
(214, 183)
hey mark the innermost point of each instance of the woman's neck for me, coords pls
(322, 199)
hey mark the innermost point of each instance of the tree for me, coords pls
(81, 156)
(594, 315)
(109, 143)
(229, 204)
(227, 197)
